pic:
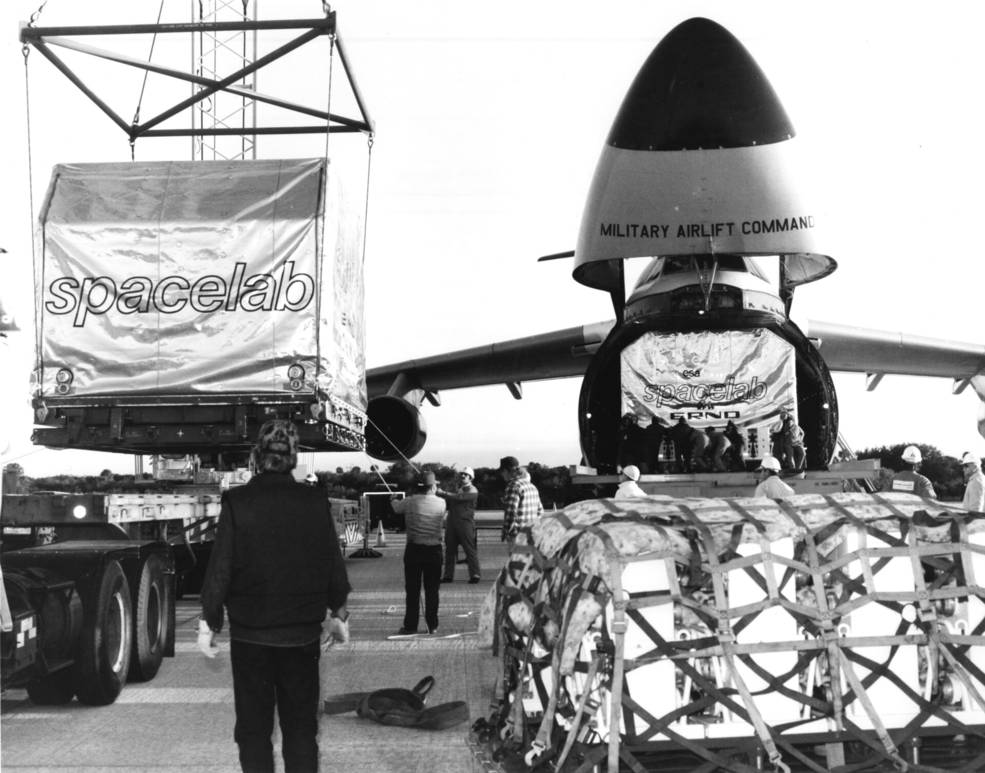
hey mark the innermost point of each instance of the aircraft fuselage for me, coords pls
(707, 341)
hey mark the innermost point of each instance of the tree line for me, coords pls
(554, 483)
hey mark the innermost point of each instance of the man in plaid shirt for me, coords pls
(521, 502)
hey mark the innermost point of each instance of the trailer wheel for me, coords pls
(151, 620)
(104, 650)
(52, 689)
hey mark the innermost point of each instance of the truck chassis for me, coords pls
(88, 604)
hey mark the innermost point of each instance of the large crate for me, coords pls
(742, 630)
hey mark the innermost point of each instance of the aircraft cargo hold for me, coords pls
(741, 631)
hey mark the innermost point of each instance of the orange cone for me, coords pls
(380, 536)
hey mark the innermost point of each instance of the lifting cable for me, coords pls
(26, 51)
(369, 167)
(328, 170)
(328, 96)
(143, 85)
(327, 9)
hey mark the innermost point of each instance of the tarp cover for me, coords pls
(204, 277)
(709, 378)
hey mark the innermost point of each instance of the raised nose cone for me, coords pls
(701, 160)
(699, 88)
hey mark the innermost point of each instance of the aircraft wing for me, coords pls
(565, 353)
(879, 352)
(558, 354)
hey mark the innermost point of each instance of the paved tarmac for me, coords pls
(183, 719)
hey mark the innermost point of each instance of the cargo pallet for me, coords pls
(815, 632)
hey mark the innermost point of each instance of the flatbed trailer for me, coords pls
(90, 582)
(87, 607)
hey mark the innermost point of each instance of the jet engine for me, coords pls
(396, 428)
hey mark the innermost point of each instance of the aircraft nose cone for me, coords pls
(701, 159)
(699, 88)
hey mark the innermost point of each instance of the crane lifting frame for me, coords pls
(44, 38)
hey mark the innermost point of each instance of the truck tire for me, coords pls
(100, 671)
(52, 689)
(151, 620)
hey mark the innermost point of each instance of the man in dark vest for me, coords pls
(277, 568)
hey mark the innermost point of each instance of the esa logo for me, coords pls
(691, 373)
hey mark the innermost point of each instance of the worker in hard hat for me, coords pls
(770, 484)
(460, 525)
(629, 488)
(909, 480)
(974, 488)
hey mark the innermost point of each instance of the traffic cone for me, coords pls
(380, 536)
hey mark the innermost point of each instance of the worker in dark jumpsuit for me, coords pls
(460, 526)
(689, 447)
(718, 444)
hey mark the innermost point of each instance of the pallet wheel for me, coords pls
(151, 620)
(103, 661)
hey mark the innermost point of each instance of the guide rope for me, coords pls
(395, 448)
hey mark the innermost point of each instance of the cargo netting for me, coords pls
(741, 631)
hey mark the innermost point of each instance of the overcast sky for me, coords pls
(490, 118)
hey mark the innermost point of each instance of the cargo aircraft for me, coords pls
(700, 174)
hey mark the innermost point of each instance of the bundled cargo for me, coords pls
(181, 304)
(740, 630)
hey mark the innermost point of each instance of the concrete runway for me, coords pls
(183, 719)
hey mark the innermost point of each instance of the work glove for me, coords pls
(335, 631)
(206, 640)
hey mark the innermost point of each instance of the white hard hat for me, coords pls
(631, 471)
(969, 458)
(770, 463)
(912, 455)
(467, 471)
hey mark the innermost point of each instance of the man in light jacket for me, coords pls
(424, 513)
(974, 489)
